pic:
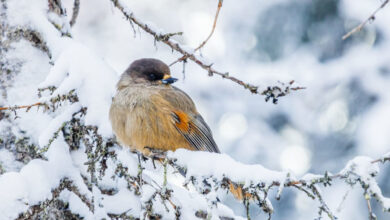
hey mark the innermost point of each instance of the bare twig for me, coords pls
(75, 13)
(340, 207)
(371, 215)
(309, 194)
(383, 159)
(21, 106)
(178, 48)
(324, 207)
(214, 25)
(369, 19)
(53, 103)
(183, 58)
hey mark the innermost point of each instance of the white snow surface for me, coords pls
(222, 165)
(78, 68)
(34, 182)
(363, 167)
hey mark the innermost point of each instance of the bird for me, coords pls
(149, 114)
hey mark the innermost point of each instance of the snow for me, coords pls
(365, 170)
(8, 162)
(362, 167)
(12, 195)
(386, 155)
(24, 88)
(34, 182)
(310, 176)
(22, 14)
(123, 156)
(221, 165)
(103, 42)
(122, 202)
(56, 124)
(75, 204)
(78, 68)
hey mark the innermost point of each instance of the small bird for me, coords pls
(150, 115)
(147, 112)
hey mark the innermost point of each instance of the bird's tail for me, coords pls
(238, 192)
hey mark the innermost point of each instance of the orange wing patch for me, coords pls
(195, 131)
(183, 121)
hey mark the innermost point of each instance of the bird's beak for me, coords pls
(167, 79)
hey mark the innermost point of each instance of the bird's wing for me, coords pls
(195, 131)
(189, 122)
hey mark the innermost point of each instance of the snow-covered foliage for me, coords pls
(59, 159)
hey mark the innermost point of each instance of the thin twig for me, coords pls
(382, 160)
(324, 207)
(75, 13)
(309, 194)
(371, 215)
(214, 25)
(211, 33)
(340, 207)
(21, 106)
(178, 48)
(361, 25)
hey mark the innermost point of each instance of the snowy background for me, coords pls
(343, 113)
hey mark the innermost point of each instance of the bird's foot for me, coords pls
(155, 154)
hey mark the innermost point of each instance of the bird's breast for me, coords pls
(143, 118)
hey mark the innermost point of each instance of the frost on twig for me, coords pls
(276, 92)
(362, 171)
(371, 18)
(34, 37)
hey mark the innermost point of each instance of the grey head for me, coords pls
(149, 70)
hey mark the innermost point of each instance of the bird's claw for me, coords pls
(155, 154)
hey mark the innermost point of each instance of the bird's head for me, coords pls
(149, 70)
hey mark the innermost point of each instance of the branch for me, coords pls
(383, 159)
(75, 13)
(13, 108)
(52, 104)
(34, 37)
(183, 58)
(214, 25)
(359, 170)
(371, 215)
(165, 38)
(369, 19)
(324, 207)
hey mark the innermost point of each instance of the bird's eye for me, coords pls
(152, 76)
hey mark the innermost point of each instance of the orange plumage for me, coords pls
(183, 121)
